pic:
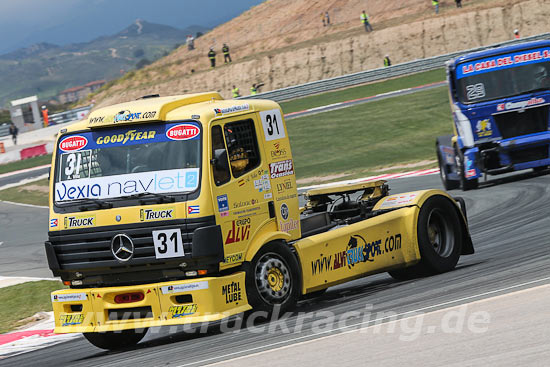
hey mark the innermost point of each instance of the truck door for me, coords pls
(240, 185)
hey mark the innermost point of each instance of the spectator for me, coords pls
(323, 19)
(226, 56)
(45, 118)
(435, 3)
(458, 3)
(516, 34)
(365, 21)
(235, 92)
(255, 88)
(212, 57)
(327, 18)
(387, 61)
(190, 42)
(13, 132)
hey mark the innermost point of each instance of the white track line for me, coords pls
(21, 204)
(7, 174)
(365, 323)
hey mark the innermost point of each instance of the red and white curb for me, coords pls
(387, 176)
(38, 336)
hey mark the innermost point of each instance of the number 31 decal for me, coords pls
(273, 124)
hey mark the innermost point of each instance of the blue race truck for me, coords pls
(500, 99)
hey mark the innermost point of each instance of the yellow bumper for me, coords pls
(168, 303)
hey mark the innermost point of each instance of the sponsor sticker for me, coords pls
(183, 132)
(182, 310)
(188, 287)
(240, 231)
(69, 297)
(193, 209)
(233, 258)
(71, 319)
(73, 143)
(284, 211)
(79, 221)
(146, 215)
(54, 223)
(281, 169)
(223, 204)
(398, 200)
(175, 180)
(126, 115)
(232, 292)
(520, 105)
(232, 109)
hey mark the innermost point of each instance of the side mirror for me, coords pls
(220, 161)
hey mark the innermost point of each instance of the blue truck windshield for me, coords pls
(503, 76)
(113, 163)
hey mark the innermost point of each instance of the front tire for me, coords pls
(113, 340)
(447, 184)
(439, 240)
(273, 278)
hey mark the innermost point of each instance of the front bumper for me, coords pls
(168, 303)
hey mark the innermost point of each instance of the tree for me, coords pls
(139, 53)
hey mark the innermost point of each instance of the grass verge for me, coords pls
(355, 141)
(18, 302)
(362, 91)
(35, 193)
(27, 163)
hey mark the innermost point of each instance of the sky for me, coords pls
(26, 22)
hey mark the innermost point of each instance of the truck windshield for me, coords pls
(123, 162)
(503, 76)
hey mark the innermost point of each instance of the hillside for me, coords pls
(46, 69)
(283, 43)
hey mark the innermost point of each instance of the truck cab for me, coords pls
(500, 101)
(184, 209)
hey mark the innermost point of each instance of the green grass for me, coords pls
(35, 193)
(357, 140)
(27, 163)
(362, 91)
(20, 301)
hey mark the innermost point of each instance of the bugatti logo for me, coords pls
(122, 247)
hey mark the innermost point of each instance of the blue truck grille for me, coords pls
(518, 123)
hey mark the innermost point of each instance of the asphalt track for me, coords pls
(510, 226)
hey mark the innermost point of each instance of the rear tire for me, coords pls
(112, 340)
(447, 184)
(439, 240)
(273, 278)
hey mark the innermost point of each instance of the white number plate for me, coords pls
(273, 125)
(168, 243)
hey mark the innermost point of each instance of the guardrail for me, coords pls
(367, 76)
(68, 116)
(4, 130)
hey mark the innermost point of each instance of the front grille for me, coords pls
(516, 123)
(529, 154)
(79, 249)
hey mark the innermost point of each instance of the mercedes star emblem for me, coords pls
(122, 247)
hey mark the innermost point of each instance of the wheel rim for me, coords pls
(273, 278)
(440, 233)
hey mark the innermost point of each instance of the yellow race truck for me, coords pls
(184, 209)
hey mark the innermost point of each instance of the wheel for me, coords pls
(273, 278)
(439, 240)
(447, 184)
(112, 340)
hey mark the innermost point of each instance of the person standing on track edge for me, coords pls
(226, 56)
(365, 21)
(387, 61)
(212, 57)
(235, 92)
(13, 131)
(436, 4)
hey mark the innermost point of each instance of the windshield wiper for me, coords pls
(162, 198)
(94, 204)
